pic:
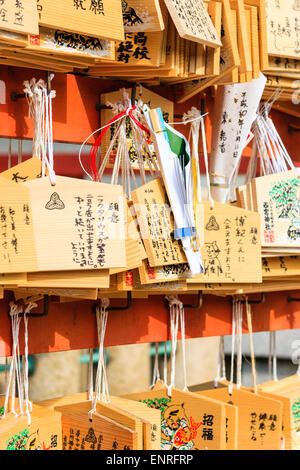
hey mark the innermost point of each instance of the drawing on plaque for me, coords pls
(130, 17)
(212, 224)
(55, 203)
(283, 24)
(212, 264)
(178, 432)
(296, 414)
(284, 196)
(26, 441)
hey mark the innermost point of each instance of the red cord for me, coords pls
(95, 147)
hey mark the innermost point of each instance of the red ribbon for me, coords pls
(95, 147)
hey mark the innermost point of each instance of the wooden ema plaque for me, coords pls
(17, 243)
(139, 15)
(152, 100)
(229, 61)
(63, 279)
(25, 171)
(156, 225)
(104, 432)
(171, 273)
(291, 416)
(283, 28)
(231, 417)
(193, 22)
(259, 418)
(139, 49)
(78, 224)
(44, 432)
(230, 241)
(281, 267)
(188, 421)
(20, 16)
(67, 43)
(150, 418)
(79, 294)
(99, 19)
(276, 198)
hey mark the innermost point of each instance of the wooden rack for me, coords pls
(71, 326)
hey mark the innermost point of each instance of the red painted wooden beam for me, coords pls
(71, 326)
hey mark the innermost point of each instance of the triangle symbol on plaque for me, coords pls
(55, 203)
(212, 224)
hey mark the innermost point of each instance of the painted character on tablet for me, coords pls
(212, 263)
(177, 430)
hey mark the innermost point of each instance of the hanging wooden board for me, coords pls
(232, 430)
(282, 64)
(188, 422)
(135, 251)
(254, 35)
(103, 433)
(243, 41)
(156, 225)
(229, 58)
(290, 419)
(259, 418)
(151, 275)
(44, 432)
(17, 242)
(19, 16)
(89, 294)
(262, 22)
(148, 97)
(25, 171)
(281, 267)
(89, 279)
(140, 49)
(78, 224)
(139, 15)
(193, 22)
(283, 27)
(12, 279)
(213, 56)
(279, 221)
(16, 39)
(100, 19)
(230, 238)
(71, 44)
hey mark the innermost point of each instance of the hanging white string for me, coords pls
(187, 121)
(239, 325)
(15, 310)
(40, 110)
(166, 366)
(91, 374)
(272, 356)
(101, 383)
(28, 404)
(176, 314)
(156, 374)
(233, 332)
(182, 326)
(174, 319)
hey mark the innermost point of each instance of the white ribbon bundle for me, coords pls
(274, 157)
(101, 392)
(40, 110)
(18, 375)
(176, 314)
